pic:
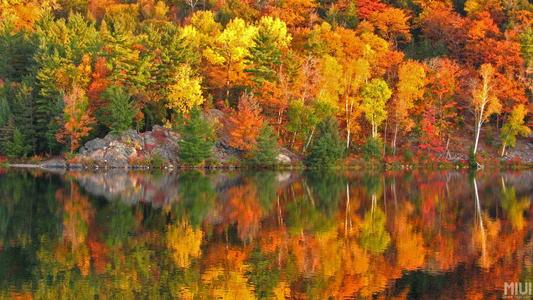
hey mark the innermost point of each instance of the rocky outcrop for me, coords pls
(133, 149)
(120, 151)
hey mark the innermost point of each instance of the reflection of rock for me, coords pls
(117, 151)
(56, 163)
(157, 189)
(130, 187)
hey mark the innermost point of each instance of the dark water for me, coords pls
(263, 235)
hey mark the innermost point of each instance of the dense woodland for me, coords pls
(325, 79)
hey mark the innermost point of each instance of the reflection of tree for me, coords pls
(266, 184)
(514, 207)
(326, 186)
(304, 216)
(184, 243)
(481, 226)
(305, 239)
(197, 197)
(374, 236)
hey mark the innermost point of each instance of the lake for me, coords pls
(264, 235)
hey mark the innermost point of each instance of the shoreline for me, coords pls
(382, 166)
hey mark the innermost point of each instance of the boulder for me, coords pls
(286, 157)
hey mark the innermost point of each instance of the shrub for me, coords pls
(408, 155)
(372, 148)
(157, 161)
(266, 149)
(327, 149)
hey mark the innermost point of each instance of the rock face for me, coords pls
(119, 151)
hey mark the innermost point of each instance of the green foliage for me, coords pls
(157, 161)
(121, 109)
(197, 139)
(372, 148)
(327, 149)
(408, 155)
(17, 49)
(266, 149)
(197, 198)
(16, 146)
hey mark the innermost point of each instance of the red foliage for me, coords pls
(430, 139)
(365, 8)
(99, 83)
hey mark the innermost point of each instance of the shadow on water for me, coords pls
(264, 234)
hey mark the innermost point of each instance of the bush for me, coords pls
(157, 161)
(327, 149)
(197, 139)
(266, 149)
(408, 155)
(372, 148)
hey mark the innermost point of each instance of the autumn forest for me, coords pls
(327, 79)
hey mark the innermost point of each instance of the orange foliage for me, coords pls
(243, 126)
(78, 120)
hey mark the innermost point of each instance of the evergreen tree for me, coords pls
(16, 146)
(266, 149)
(327, 149)
(197, 139)
(121, 110)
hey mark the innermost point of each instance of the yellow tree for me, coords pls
(356, 73)
(230, 49)
(186, 91)
(484, 101)
(411, 80)
(375, 95)
(514, 126)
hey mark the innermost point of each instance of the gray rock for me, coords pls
(283, 159)
(56, 163)
(118, 150)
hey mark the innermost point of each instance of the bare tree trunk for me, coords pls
(503, 149)
(309, 139)
(385, 137)
(478, 129)
(394, 139)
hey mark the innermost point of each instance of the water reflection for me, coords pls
(264, 235)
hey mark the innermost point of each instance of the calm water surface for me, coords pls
(264, 235)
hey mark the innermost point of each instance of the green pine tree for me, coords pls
(266, 149)
(327, 149)
(16, 146)
(197, 139)
(121, 109)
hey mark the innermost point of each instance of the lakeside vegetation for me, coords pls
(399, 83)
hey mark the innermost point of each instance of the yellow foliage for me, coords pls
(184, 242)
(186, 92)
